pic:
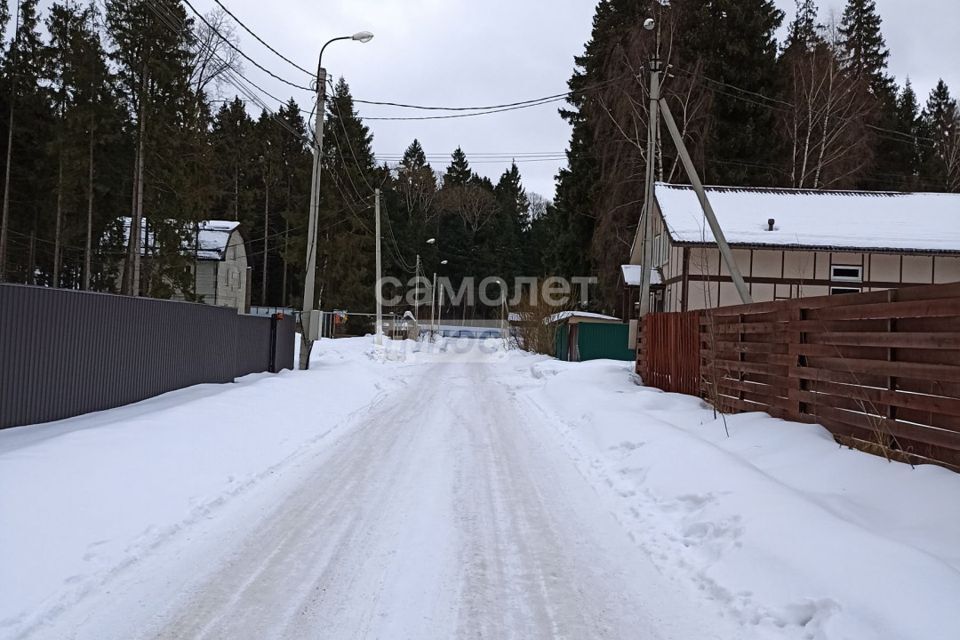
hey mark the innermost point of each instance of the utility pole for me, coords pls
(652, 129)
(659, 105)
(308, 314)
(708, 212)
(416, 299)
(439, 308)
(309, 301)
(433, 306)
(379, 291)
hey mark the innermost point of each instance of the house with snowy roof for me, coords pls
(219, 267)
(791, 243)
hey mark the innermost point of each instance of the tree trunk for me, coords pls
(138, 213)
(32, 254)
(236, 190)
(88, 244)
(58, 225)
(826, 132)
(266, 241)
(126, 287)
(5, 224)
(286, 248)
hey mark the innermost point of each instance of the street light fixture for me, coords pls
(309, 318)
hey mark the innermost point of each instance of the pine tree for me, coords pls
(152, 53)
(294, 186)
(459, 172)
(736, 43)
(232, 139)
(511, 224)
(416, 188)
(865, 56)
(29, 176)
(6, 94)
(345, 252)
(88, 122)
(865, 50)
(906, 154)
(804, 31)
(941, 147)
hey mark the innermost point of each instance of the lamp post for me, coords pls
(309, 321)
(433, 292)
(437, 296)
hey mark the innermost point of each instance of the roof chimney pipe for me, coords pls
(770, 224)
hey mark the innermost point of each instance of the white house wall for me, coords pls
(232, 283)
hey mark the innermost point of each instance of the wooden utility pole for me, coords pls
(378, 291)
(718, 235)
(647, 242)
(658, 105)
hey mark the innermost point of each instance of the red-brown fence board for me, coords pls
(878, 369)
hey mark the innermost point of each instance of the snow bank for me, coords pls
(795, 536)
(126, 480)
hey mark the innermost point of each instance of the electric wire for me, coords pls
(262, 41)
(240, 51)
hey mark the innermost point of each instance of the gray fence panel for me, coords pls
(253, 344)
(286, 334)
(64, 353)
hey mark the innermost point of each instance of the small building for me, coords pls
(221, 270)
(219, 267)
(791, 243)
(582, 336)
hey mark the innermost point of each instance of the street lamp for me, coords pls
(309, 319)
(436, 301)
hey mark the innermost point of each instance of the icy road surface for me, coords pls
(465, 492)
(449, 510)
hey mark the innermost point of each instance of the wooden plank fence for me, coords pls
(669, 352)
(880, 370)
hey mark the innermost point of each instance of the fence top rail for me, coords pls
(912, 293)
(41, 290)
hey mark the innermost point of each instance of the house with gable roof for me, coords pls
(218, 260)
(791, 243)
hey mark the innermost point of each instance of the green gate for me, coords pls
(595, 341)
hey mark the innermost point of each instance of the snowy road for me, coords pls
(462, 494)
(448, 512)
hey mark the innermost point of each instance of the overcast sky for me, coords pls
(481, 52)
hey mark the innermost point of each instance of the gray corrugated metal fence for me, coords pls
(64, 353)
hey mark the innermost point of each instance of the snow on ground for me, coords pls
(460, 490)
(777, 522)
(84, 498)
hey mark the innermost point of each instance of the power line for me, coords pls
(464, 115)
(261, 40)
(531, 102)
(240, 51)
(233, 75)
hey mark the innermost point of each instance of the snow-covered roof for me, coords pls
(633, 274)
(583, 315)
(212, 240)
(927, 222)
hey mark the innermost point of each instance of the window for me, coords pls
(834, 291)
(840, 273)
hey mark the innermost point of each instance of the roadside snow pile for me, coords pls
(794, 535)
(126, 480)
